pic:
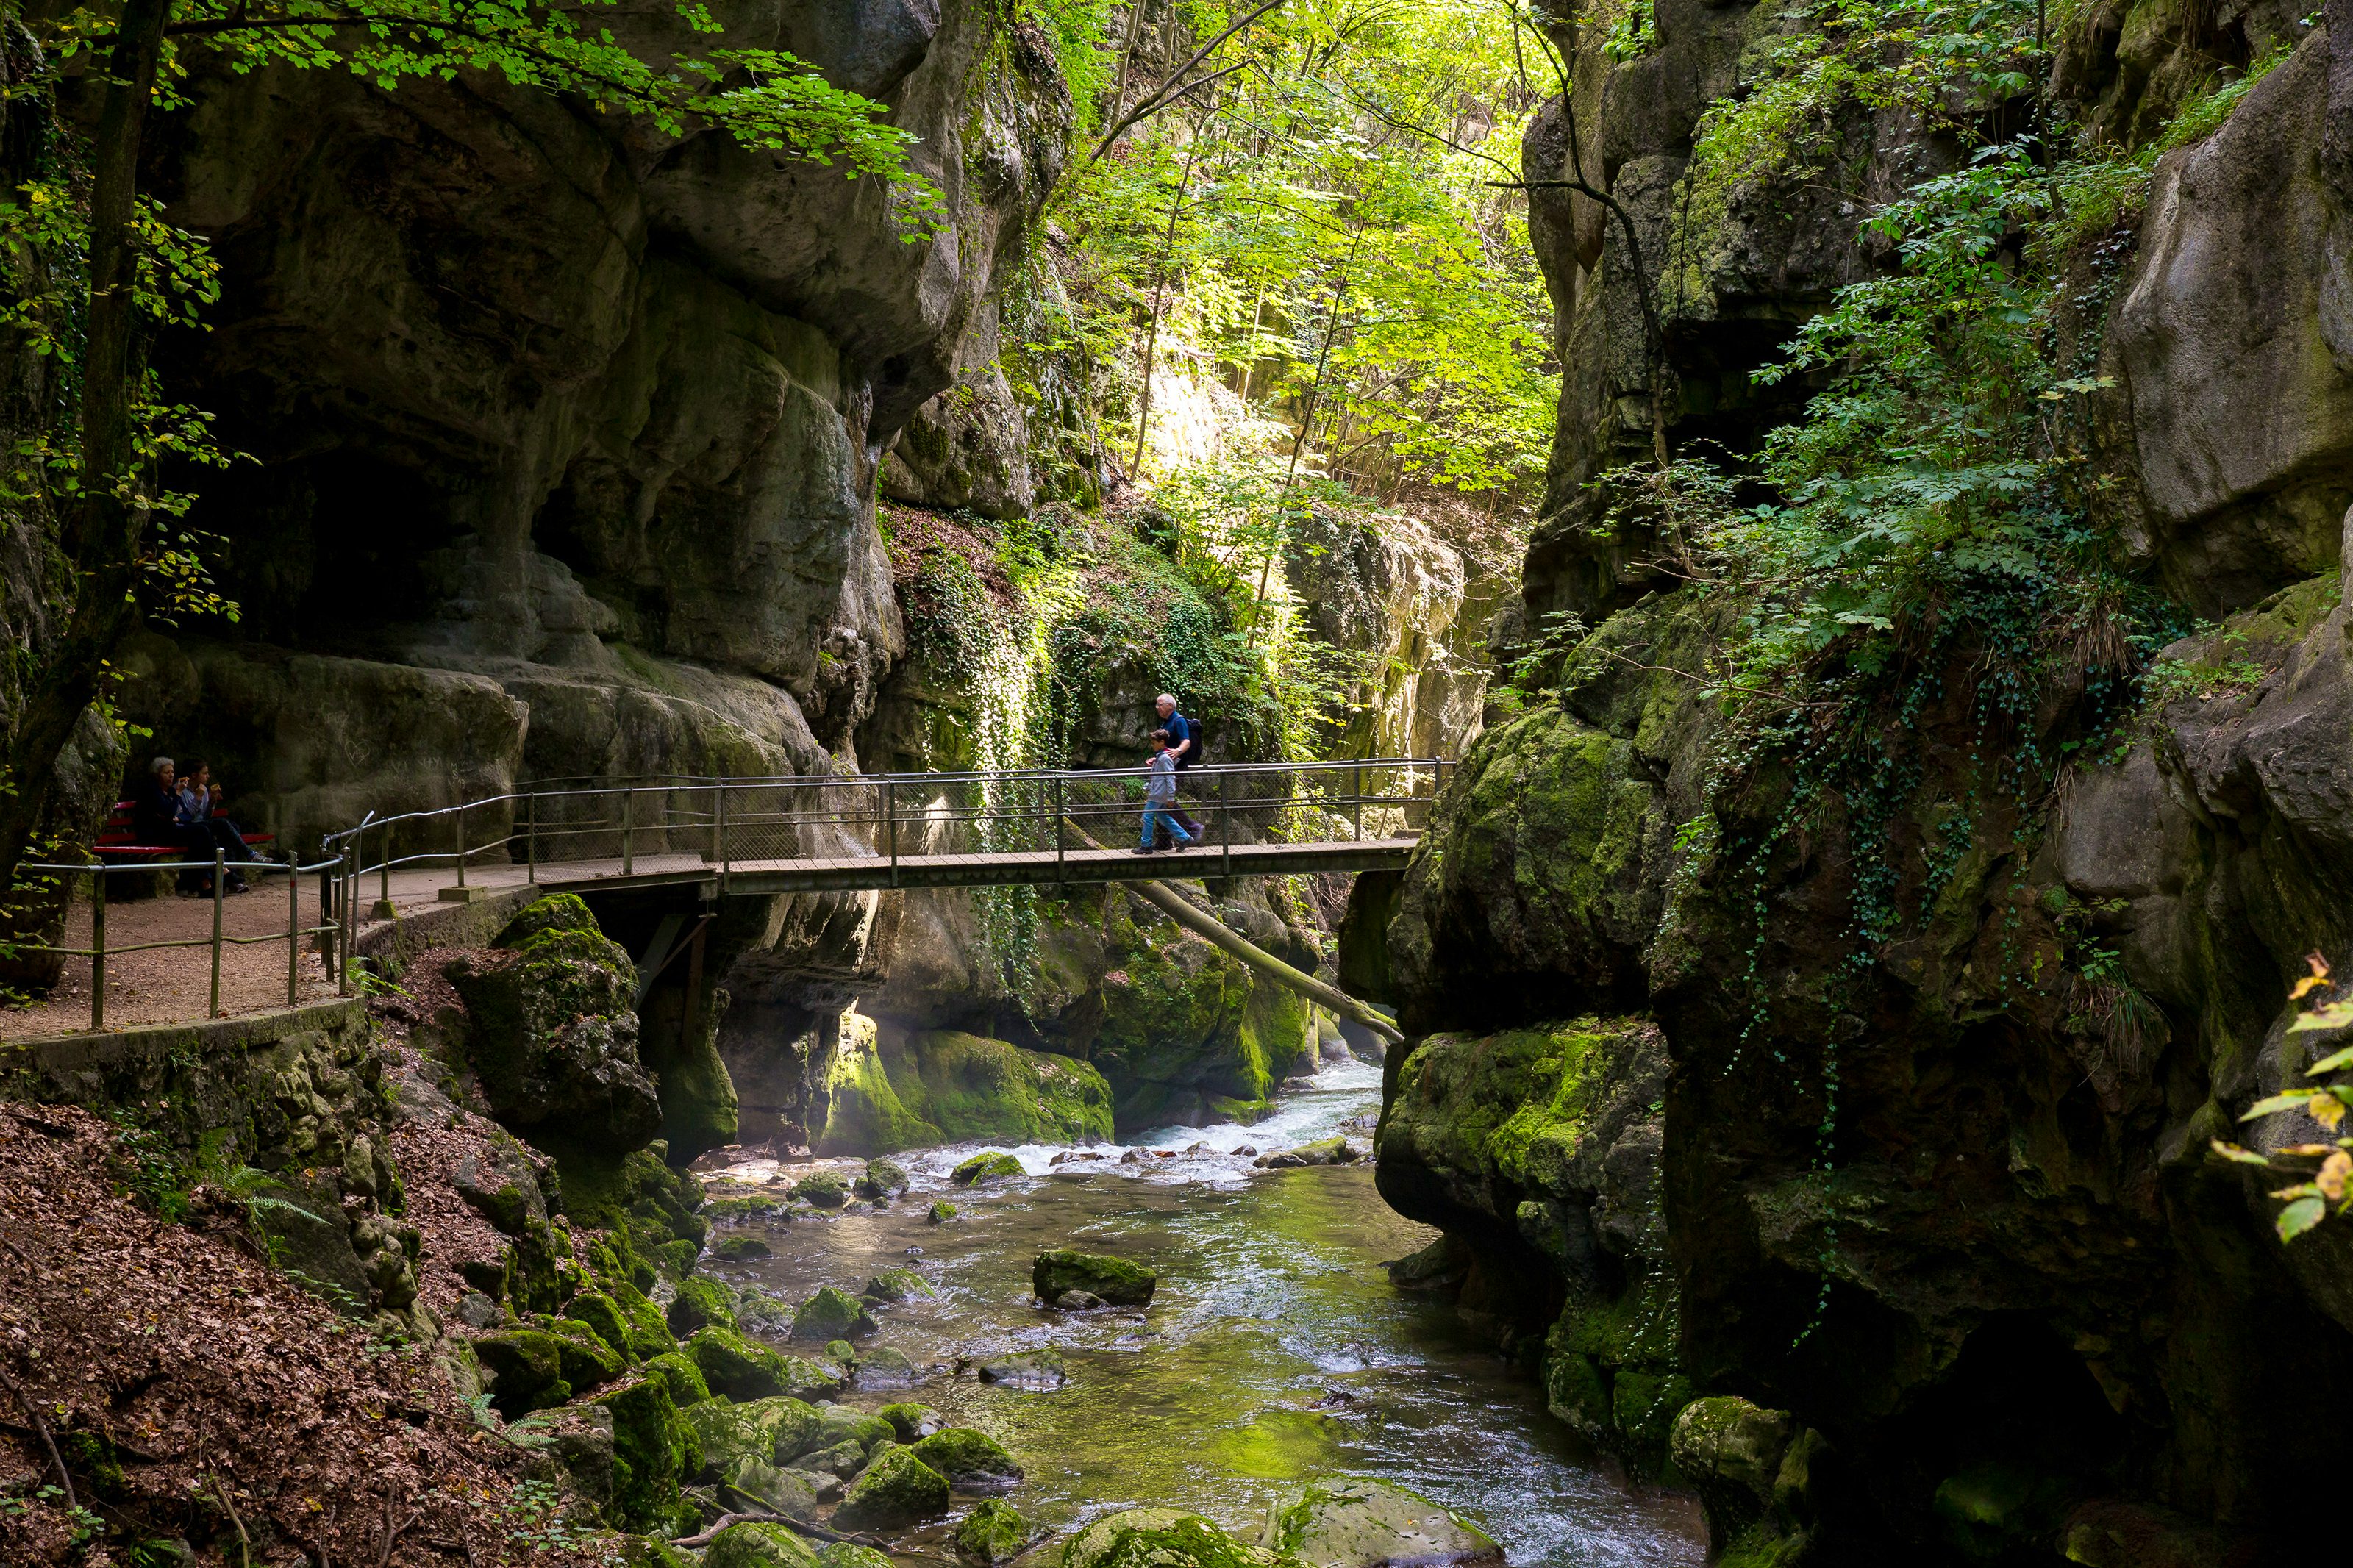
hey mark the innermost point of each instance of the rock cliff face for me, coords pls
(569, 431)
(1948, 1253)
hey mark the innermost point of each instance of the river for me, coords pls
(1274, 1350)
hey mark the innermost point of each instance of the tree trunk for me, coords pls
(101, 528)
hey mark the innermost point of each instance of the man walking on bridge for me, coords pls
(1185, 746)
(1160, 798)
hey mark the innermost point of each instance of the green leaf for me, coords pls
(2300, 1217)
(2335, 1016)
(2335, 1062)
(2238, 1156)
(2293, 1100)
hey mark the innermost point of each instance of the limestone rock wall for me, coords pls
(2006, 1307)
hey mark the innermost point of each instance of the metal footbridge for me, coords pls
(857, 832)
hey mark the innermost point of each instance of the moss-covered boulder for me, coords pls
(1729, 1451)
(823, 1189)
(882, 1178)
(735, 1366)
(701, 1302)
(770, 1487)
(832, 1314)
(1114, 1279)
(885, 1367)
(993, 1532)
(897, 1490)
(839, 1425)
(912, 1422)
(1322, 1151)
(526, 1370)
(586, 1359)
(941, 1212)
(680, 1376)
(1347, 1523)
(947, 1087)
(989, 1165)
(896, 1285)
(740, 1248)
(971, 1460)
(850, 1554)
(758, 1546)
(625, 1320)
(653, 1450)
(1161, 1538)
(771, 1430)
(552, 1030)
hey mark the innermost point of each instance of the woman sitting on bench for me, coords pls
(159, 813)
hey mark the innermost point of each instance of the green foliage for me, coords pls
(2326, 1167)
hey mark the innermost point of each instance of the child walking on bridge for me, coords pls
(1160, 797)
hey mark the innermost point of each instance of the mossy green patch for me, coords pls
(947, 1086)
(967, 1456)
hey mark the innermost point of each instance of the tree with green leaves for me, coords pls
(95, 269)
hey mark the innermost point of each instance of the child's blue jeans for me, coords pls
(1162, 817)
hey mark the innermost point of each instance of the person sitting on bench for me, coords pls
(157, 808)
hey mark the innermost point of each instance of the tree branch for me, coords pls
(1151, 103)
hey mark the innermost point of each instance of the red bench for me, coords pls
(116, 847)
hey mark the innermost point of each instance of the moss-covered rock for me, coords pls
(735, 1366)
(840, 1426)
(947, 1086)
(740, 1248)
(526, 1368)
(823, 1189)
(941, 1212)
(896, 1285)
(1114, 1279)
(882, 1178)
(552, 1032)
(586, 1359)
(832, 1314)
(912, 1422)
(897, 1490)
(989, 1165)
(653, 1450)
(680, 1376)
(771, 1430)
(1161, 1538)
(777, 1489)
(850, 1554)
(1347, 1523)
(968, 1457)
(701, 1302)
(993, 1532)
(625, 1321)
(758, 1546)
(887, 1368)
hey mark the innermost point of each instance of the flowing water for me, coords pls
(1276, 1348)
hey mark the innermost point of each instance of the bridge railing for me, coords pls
(670, 822)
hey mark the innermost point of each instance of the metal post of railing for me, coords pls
(98, 947)
(890, 826)
(1357, 790)
(628, 809)
(293, 926)
(349, 873)
(531, 839)
(1058, 829)
(384, 910)
(220, 877)
(1225, 827)
(461, 844)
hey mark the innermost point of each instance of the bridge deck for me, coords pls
(1001, 869)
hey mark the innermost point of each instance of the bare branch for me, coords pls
(1159, 97)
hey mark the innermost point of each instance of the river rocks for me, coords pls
(1371, 1524)
(990, 1165)
(625, 1320)
(701, 1302)
(1326, 1152)
(887, 1368)
(772, 1430)
(1730, 1451)
(912, 1422)
(824, 1190)
(1077, 1301)
(585, 1358)
(740, 1249)
(882, 1178)
(1114, 1279)
(972, 1460)
(896, 1285)
(1161, 1538)
(735, 1366)
(1042, 1368)
(899, 1490)
(992, 1533)
(947, 1086)
(942, 1211)
(653, 1450)
(552, 1030)
(777, 1490)
(758, 1546)
(832, 1314)
(679, 1373)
